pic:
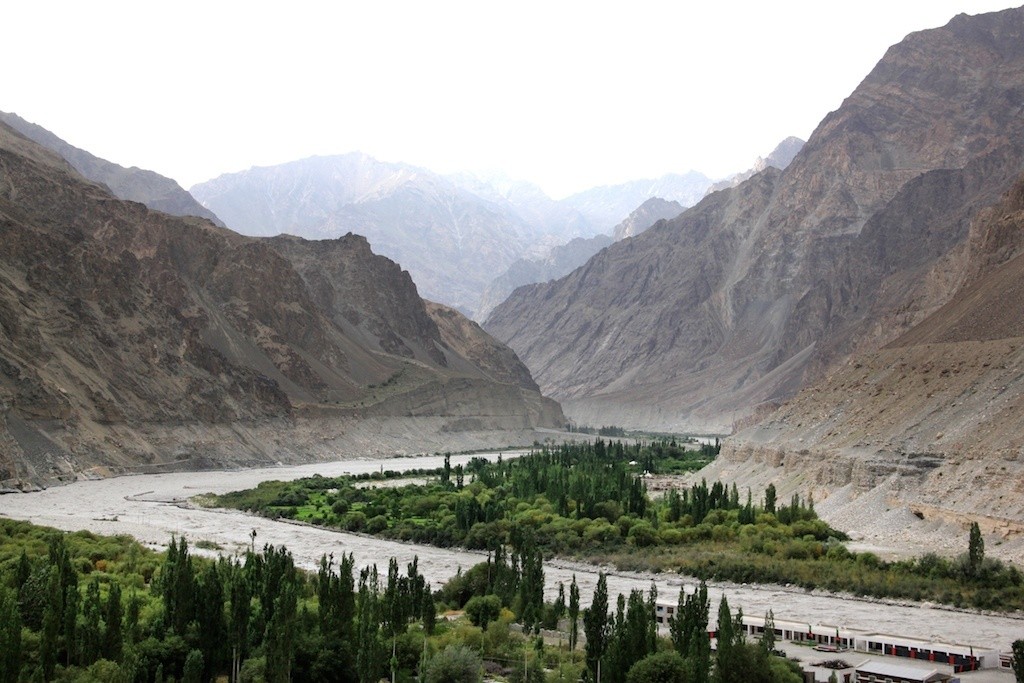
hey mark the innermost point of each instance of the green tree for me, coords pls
(482, 610)
(369, 655)
(688, 628)
(238, 616)
(70, 629)
(726, 661)
(210, 618)
(91, 630)
(1017, 662)
(595, 626)
(280, 636)
(177, 585)
(975, 550)
(428, 611)
(768, 637)
(769, 499)
(574, 614)
(661, 667)
(454, 664)
(631, 639)
(51, 627)
(10, 637)
(193, 672)
(113, 638)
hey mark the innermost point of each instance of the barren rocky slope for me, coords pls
(930, 427)
(560, 261)
(565, 258)
(134, 184)
(762, 287)
(133, 339)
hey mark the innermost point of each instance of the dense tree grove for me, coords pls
(589, 500)
(80, 607)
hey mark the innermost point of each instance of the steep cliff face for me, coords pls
(367, 295)
(134, 184)
(132, 338)
(759, 288)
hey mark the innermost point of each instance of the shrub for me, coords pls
(454, 664)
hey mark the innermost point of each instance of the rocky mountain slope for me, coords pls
(558, 262)
(760, 288)
(133, 340)
(644, 216)
(134, 184)
(929, 426)
(565, 258)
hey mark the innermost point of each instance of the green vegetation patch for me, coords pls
(589, 501)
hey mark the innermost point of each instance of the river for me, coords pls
(152, 508)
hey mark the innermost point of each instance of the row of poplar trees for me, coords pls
(249, 620)
(624, 648)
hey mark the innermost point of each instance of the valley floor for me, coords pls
(152, 508)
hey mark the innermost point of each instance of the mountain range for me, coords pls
(764, 287)
(132, 340)
(455, 234)
(563, 259)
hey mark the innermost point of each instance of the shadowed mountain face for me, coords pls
(134, 184)
(745, 297)
(132, 338)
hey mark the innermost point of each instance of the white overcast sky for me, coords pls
(561, 93)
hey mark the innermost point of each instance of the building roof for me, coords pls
(903, 671)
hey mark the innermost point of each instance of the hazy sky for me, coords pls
(564, 94)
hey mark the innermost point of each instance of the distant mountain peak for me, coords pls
(779, 158)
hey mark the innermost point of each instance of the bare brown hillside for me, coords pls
(131, 339)
(930, 427)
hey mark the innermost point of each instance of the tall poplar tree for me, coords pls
(10, 637)
(574, 614)
(113, 638)
(595, 626)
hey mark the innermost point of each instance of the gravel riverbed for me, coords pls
(152, 508)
